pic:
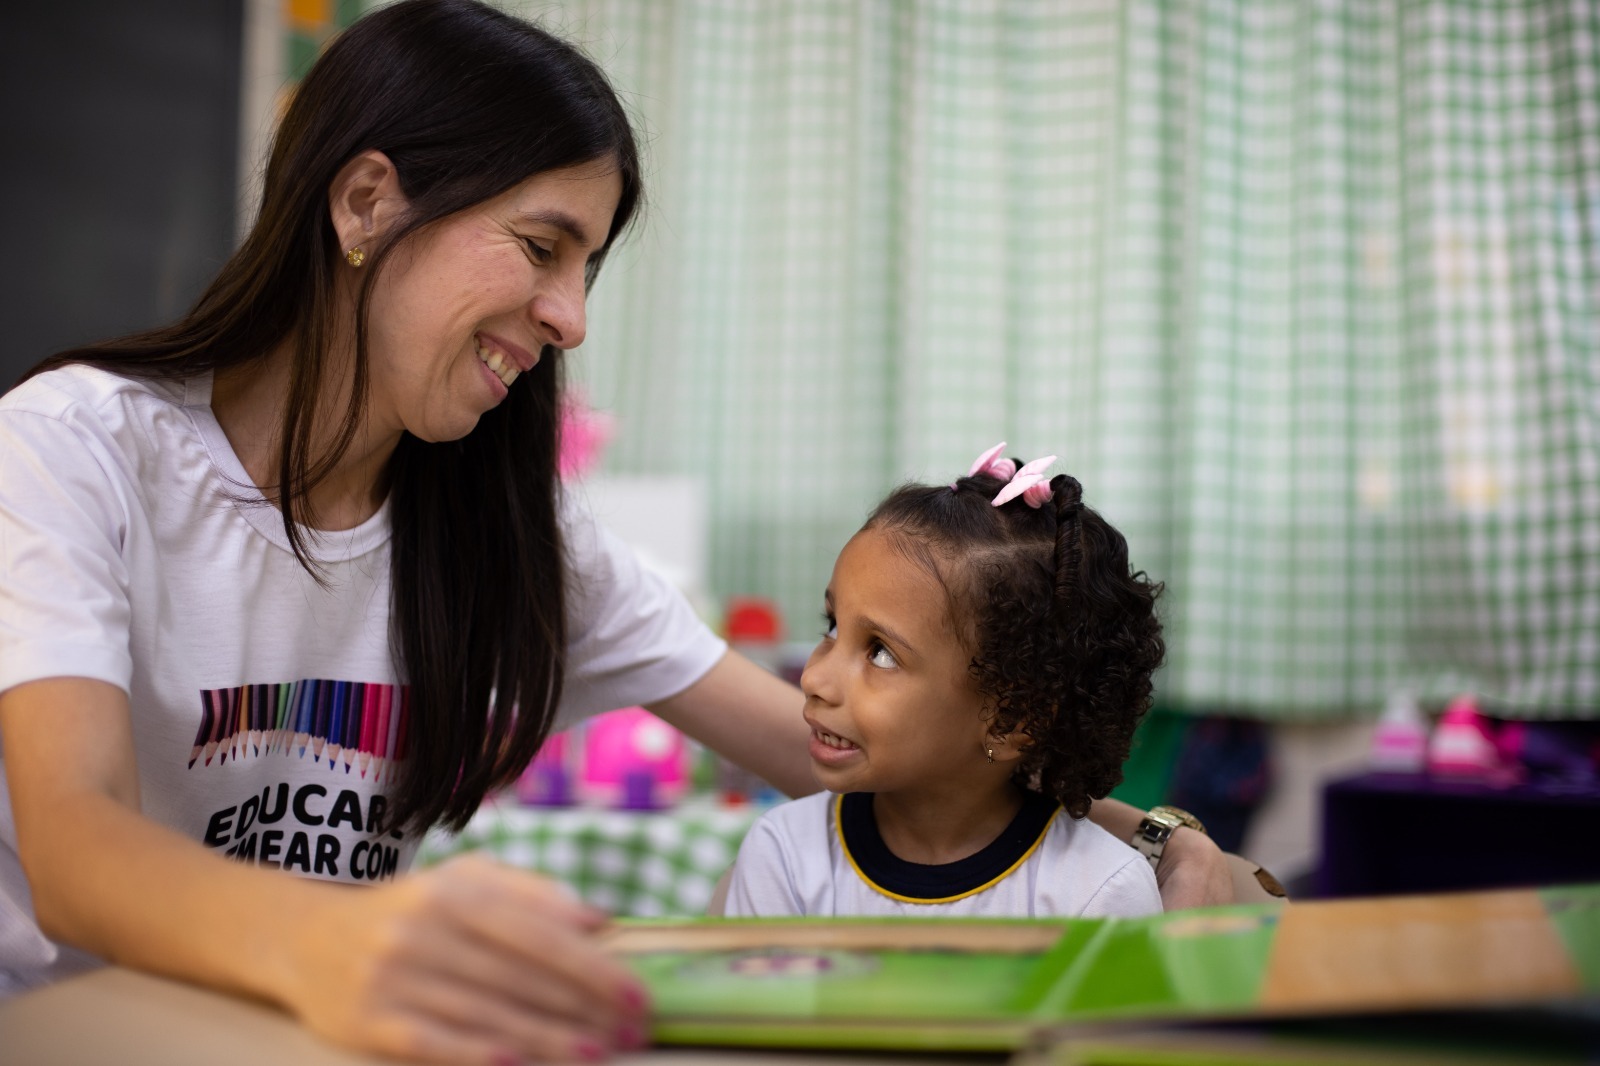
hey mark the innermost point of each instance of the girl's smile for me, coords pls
(830, 749)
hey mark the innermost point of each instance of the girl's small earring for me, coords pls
(355, 256)
(990, 753)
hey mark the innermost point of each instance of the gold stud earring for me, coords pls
(355, 256)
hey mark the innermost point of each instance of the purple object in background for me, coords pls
(1386, 834)
(545, 786)
(639, 791)
(547, 782)
(1554, 753)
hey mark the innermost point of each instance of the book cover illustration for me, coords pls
(995, 984)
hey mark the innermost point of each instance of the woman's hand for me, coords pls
(467, 962)
(1193, 872)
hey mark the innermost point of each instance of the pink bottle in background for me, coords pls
(1400, 742)
(632, 760)
(1463, 746)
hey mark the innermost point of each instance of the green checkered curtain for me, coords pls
(1305, 294)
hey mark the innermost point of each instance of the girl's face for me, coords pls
(470, 304)
(889, 700)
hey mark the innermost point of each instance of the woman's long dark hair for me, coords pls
(467, 102)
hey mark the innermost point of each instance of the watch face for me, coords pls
(1155, 829)
(1175, 817)
(1164, 818)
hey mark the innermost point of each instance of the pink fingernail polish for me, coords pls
(631, 1037)
(634, 998)
(589, 1051)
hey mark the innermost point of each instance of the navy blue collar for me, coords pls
(916, 882)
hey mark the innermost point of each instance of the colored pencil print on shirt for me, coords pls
(352, 726)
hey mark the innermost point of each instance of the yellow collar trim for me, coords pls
(838, 827)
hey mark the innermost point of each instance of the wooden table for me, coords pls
(132, 1019)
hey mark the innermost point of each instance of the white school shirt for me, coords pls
(822, 856)
(267, 710)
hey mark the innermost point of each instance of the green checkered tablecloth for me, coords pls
(634, 863)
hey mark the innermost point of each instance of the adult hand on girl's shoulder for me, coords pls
(1193, 872)
(468, 962)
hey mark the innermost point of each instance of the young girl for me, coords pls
(988, 654)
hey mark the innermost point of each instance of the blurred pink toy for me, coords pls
(547, 782)
(1463, 746)
(585, 433)
(633, 760)
(1400, 742)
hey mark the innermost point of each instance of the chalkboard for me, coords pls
(119, 149)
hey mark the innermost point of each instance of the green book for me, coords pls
(1556, 1034)
(998, 984)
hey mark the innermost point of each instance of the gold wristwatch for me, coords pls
(1157, 828)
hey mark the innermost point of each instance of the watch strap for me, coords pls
(1183, 817)
(1157, 827)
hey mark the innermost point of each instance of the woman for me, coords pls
(225, 543)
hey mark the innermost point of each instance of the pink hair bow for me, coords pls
(1029, 483)
(994, 464)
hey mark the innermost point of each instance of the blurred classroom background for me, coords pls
(1307, 294)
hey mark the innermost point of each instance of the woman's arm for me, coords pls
(750, 715)
(1193, 871)
(467, 962)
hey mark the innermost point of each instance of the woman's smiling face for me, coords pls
(889, 699)
(471, 301)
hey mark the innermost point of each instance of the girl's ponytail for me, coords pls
(1066, 502)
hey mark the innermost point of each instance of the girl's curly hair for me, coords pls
(1064, 636)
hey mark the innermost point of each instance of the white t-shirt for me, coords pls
(267, 710)
(821, 855)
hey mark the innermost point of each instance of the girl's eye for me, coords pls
(830, 628)
(882, 657)
(539, 252)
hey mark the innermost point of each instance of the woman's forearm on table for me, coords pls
(138, 894)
